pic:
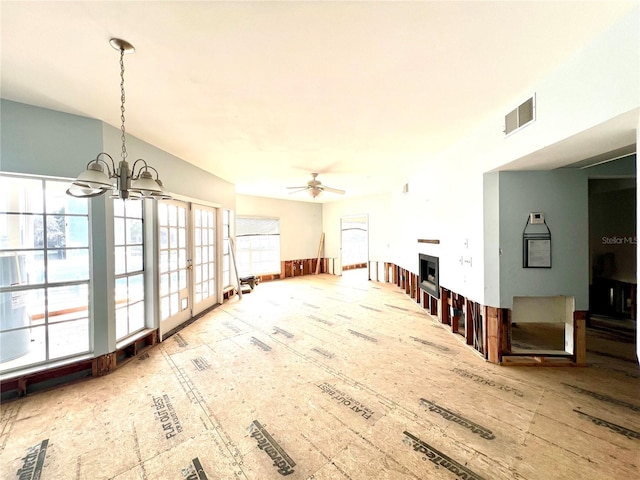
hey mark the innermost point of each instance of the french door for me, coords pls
(187, 266)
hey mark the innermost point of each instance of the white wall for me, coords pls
(378, 209)
(300, 223)
(446, 196)
(491, 205)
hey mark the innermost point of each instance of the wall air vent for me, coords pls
(519, 117)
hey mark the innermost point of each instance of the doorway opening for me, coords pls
(354, 250)
(187, 240)
(612, 262)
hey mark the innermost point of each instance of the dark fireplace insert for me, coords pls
(429, 273)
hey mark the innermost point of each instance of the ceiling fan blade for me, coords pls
(333, 190)
(300, 189)
(306, 186)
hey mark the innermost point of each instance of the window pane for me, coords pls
(164, 284)
(16, 341)
(136, 288)
(77, 231)
(134, 258)
(163, 213)
(68, 265)
(173, 238)
(68, 302)
(118, 207)
(34, 303)
(164, 261)
(121, 260)
(68, 338)
(121, 293)
(21, 231)
(136, 317)
(21, 268)
(56, 229)
(22, 347)
(20, 195)
(122, 321)
(134, 209)
(164, 237)
(134, 231)
(59, 202)
(118, 230)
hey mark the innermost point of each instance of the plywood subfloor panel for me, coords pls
(323, 377)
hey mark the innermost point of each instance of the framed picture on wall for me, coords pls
(537, 253)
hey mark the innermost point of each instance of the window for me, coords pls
(355, 241)
(172, 222)
(204, 264)
(258, 245)
(129, 266)
(44, 272)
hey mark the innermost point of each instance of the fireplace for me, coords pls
(429, 275)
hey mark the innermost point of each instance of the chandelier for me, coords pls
(102, 174)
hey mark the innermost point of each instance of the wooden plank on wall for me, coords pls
(493, 334)
(444, 306)
(319, 253)
(506, 331)
(580, 337)
(469, 322)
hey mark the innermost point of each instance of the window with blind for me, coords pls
(258, 245)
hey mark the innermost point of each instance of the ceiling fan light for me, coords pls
(314, 192)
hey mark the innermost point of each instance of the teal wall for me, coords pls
(44, 142)
(562, 196)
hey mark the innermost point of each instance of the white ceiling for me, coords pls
(264, 93)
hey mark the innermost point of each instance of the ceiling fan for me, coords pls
(315, 187)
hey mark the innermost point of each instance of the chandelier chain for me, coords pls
(122, 99)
